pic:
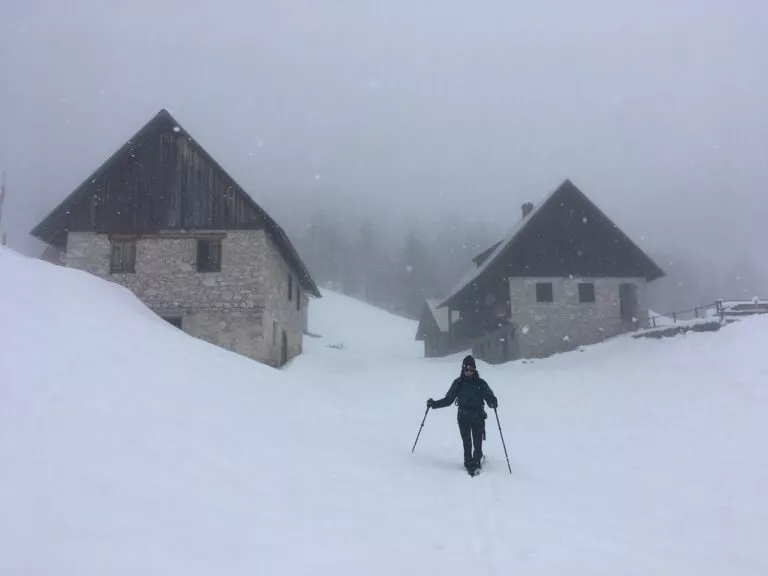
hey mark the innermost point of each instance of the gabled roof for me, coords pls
(438, 315)
(567, 190)
(53, 228)
(483, 256)
(441, 314)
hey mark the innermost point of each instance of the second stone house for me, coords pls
(564, 276)
(164, 219)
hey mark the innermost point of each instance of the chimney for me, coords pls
(527, 208)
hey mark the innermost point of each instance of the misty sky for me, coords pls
(657, 109)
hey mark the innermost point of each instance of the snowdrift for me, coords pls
(127, 447)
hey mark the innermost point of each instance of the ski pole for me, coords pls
(502, 440)
(420, 427)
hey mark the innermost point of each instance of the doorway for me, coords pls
(628, 302)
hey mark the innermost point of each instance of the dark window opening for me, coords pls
(290, 287)
(544, 292)
(284, 349)
(298, 298)
(586, 293)
(123, 256)
(173, 320)
(209, 255)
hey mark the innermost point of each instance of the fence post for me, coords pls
(674, 317)
(696, 311)
(653, 319)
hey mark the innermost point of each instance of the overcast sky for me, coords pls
(657, 109)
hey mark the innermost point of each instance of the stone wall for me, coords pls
(546, 328)
(244, 307)
(281, 312)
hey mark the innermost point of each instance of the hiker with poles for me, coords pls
(470, 392)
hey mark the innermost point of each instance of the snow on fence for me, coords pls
(721, 309)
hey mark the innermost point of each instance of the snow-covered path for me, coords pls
(632, 457)
(127, 447)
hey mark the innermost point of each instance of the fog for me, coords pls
(410, 114)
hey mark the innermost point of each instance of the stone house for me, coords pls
(162, 218)
(564, 276)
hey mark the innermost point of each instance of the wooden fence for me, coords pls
(721, 309)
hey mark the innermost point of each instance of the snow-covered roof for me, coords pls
(476, 270)
(483, 262)
(441, 314)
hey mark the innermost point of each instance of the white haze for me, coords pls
(411, 113)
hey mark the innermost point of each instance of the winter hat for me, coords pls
(468, 362)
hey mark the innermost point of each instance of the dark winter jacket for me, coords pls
(469, 394)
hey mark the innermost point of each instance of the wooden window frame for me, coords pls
(205, 263)
(122, 257)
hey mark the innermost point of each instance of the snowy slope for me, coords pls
(127, 447)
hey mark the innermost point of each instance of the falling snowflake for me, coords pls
(409, 268)
(584, 219)
(526, 329)
(566, 338)
(317, 176)
(176, 129)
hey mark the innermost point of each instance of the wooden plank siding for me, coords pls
(162, 183)
(163, 180)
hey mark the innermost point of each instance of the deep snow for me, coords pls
(127, 447)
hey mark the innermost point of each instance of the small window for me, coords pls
(290, 287)
(209, 255)
(274, 333)
(298, 298)
(123, 256)
(544, 292)
(173, 321)
(586, 293)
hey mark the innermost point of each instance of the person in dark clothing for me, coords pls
(469, 391)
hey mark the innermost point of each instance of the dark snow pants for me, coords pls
(472, 434)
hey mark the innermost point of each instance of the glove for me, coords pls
(493, 404)
(430, 402)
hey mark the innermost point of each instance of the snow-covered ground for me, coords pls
(127, 447)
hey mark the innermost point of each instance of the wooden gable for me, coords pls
(571, 236)
(160, 179)
(163, 180)
(566, 235)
